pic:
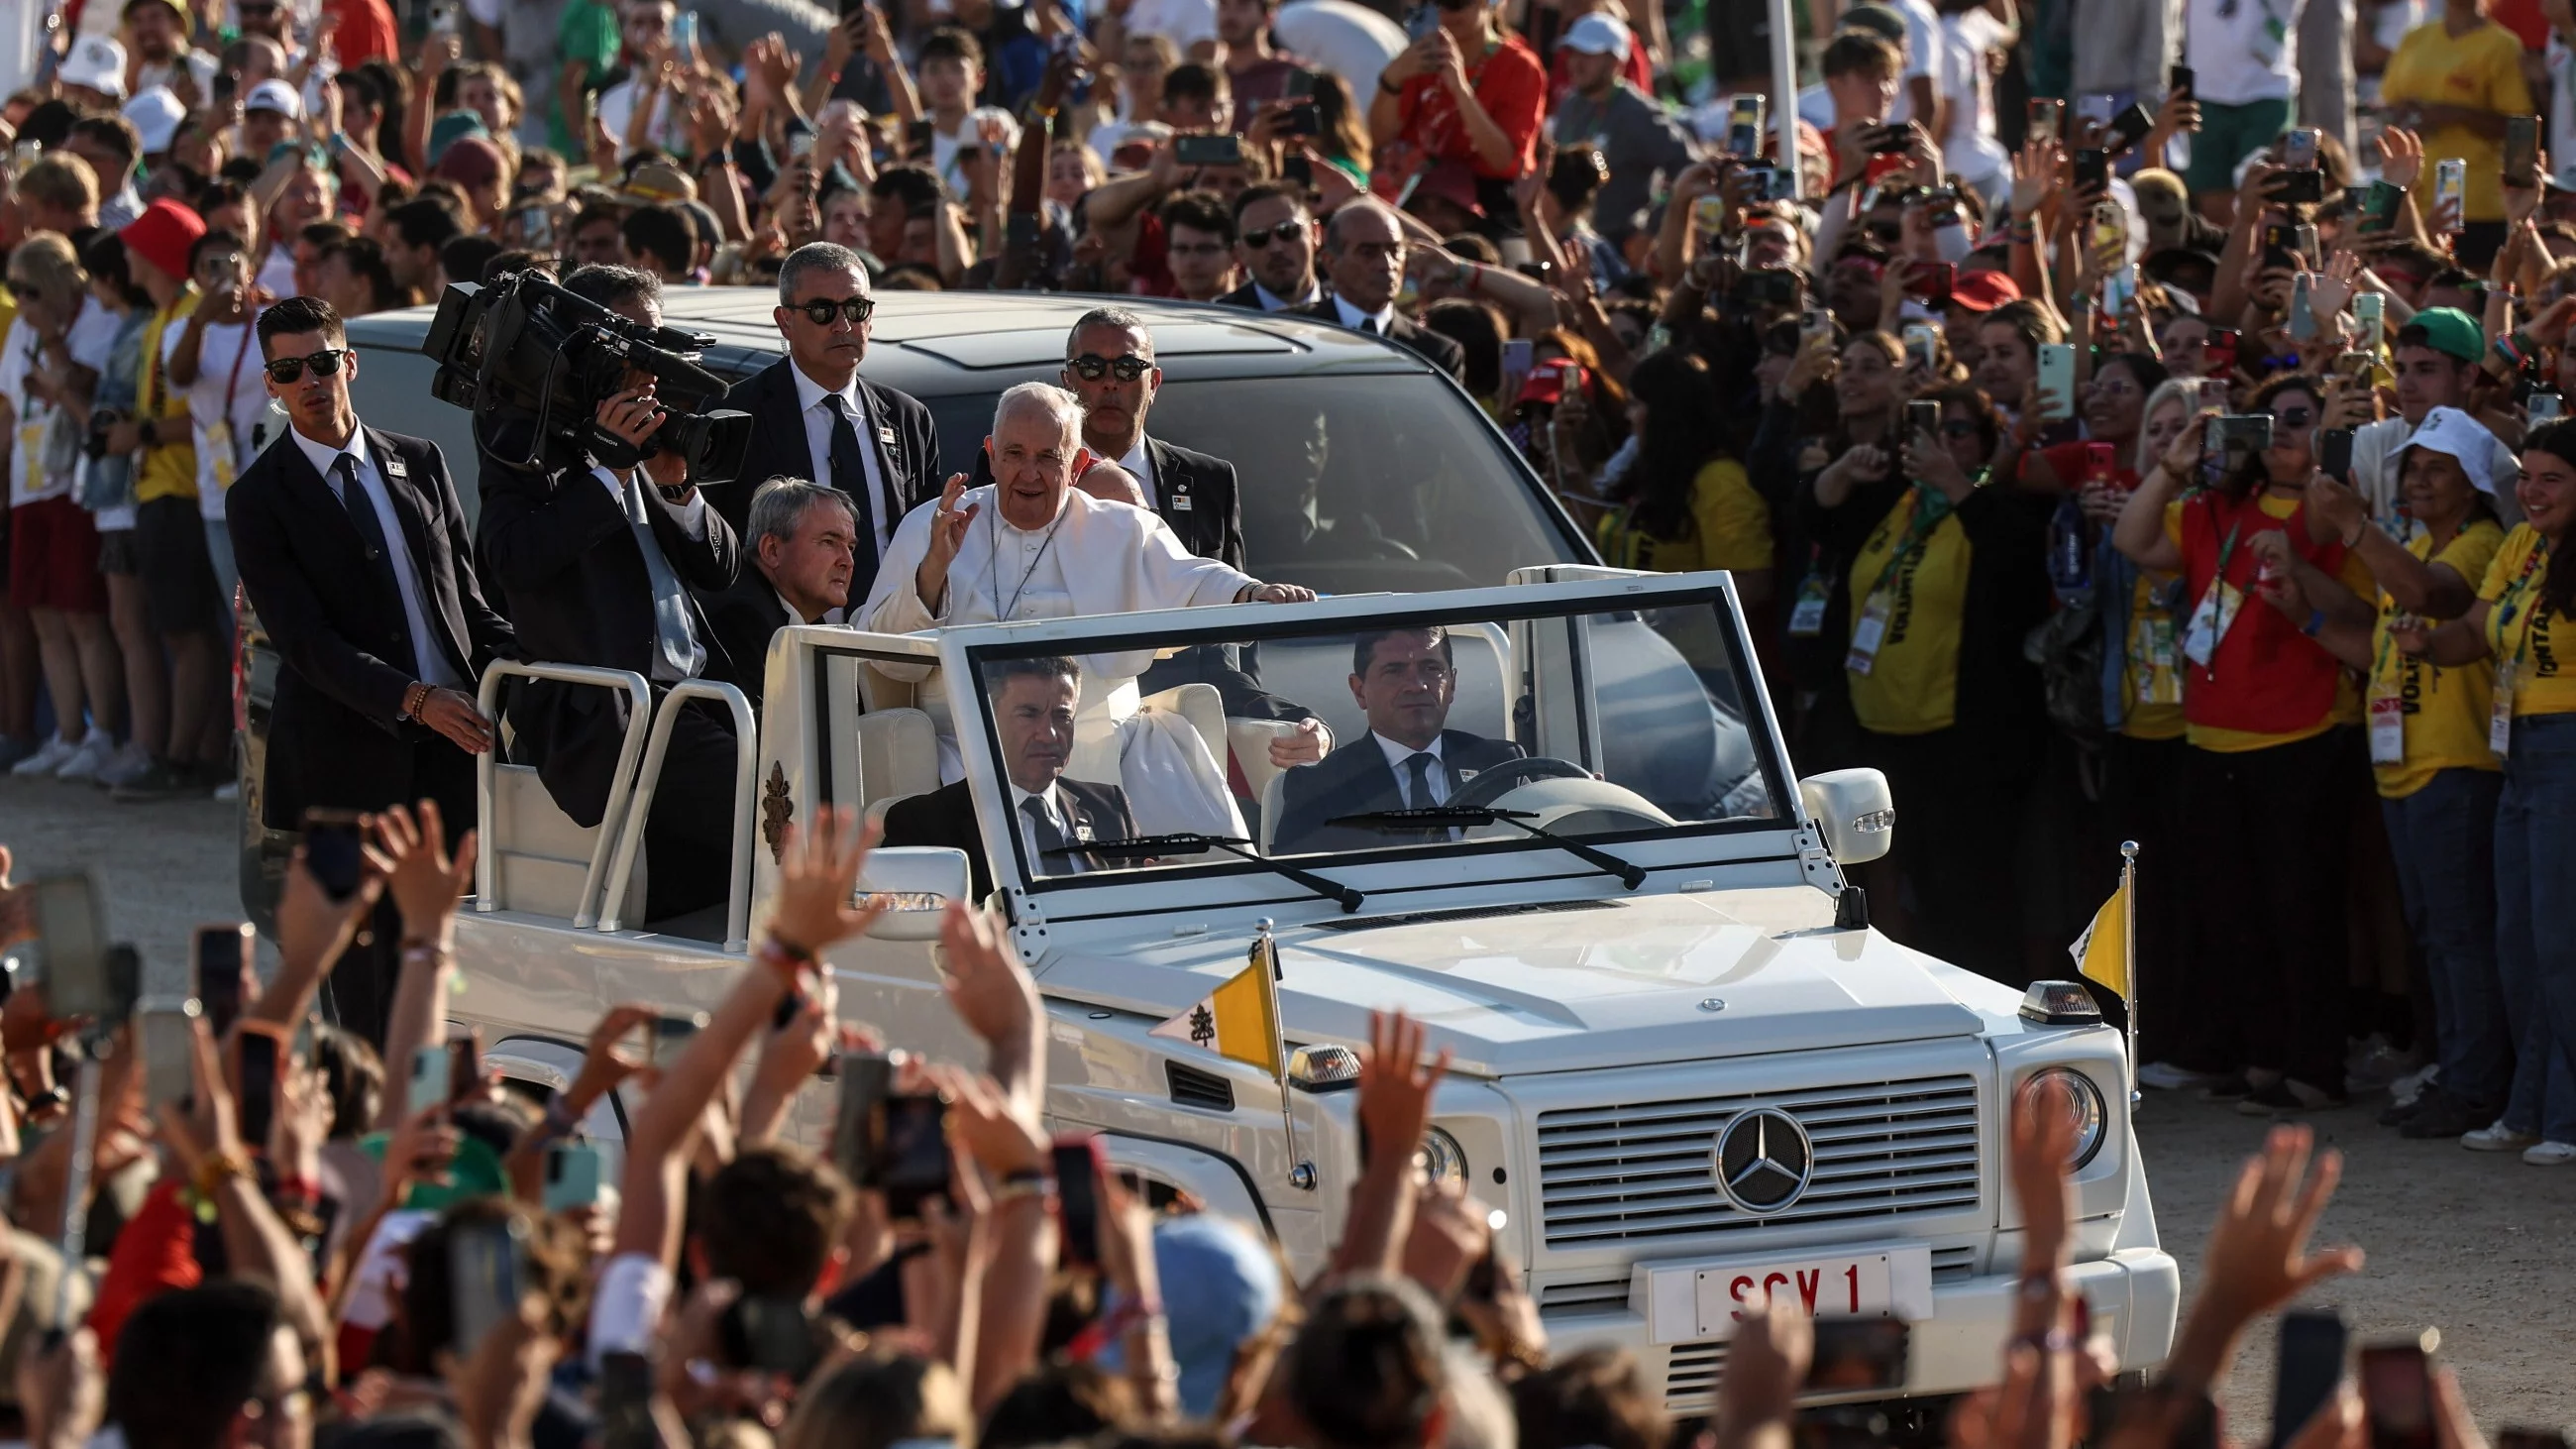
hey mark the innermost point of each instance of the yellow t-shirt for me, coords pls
(2481, 70)
(2354, 575)
(2523, 643)
(168, 469)
(2152, 683)
(1730, 528)
(1912, 687)
(2446, 709)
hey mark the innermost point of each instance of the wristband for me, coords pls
(788, 957)
(1396, 89)
(300, 1191)
(217, 1167)
(2316, 621)
(1014, 1189)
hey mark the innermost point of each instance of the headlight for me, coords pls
(2084, 1103)
(1442, 1158)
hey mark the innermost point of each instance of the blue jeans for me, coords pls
(2443, 837)
(219, 549)
(2535, 861)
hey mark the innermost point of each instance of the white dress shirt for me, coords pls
(429, 658)
(1352, 316)
(1052, 802)
(693, 521)
(1272, 302)
(1397, 754)
(1139, 464)
(813, 404)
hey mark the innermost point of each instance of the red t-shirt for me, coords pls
(2524, 19)
(1512, 87)
(2266, 678)
(366, 32)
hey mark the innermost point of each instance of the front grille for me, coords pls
(1596, 1295)
(1643, 1170)
(1693, 1373)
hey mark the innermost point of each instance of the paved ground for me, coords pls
(2481, 1246)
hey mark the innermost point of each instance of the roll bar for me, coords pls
(639, 698)
(746, 774)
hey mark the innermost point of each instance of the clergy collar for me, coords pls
(323, 455)
(1353, 316)
(810, 392)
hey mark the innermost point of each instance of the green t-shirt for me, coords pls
(588, 34)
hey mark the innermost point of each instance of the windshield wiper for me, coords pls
(1189, 843)
(1441, 817)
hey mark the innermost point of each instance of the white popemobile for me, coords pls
(1684, 1066)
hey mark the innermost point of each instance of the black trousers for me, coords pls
(2142, 801)
(1958, 794)
(2261, 983)
(688, 839)
(358, 995)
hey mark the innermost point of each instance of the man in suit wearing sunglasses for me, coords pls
(1274, 240)
(815, 418)
(352, 547)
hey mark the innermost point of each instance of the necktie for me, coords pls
(1044, 831)
(362, 512)
(678, 647)
(850, 475)
(1418, 766)
(1369, 325)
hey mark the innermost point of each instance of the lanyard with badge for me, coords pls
(2388, 692)
(33, 424)
(2216, 611)
(2152, 648)
(219, 433)
(2509, 670)
(1815, 594)
(1869, 631)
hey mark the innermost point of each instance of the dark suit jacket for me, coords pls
(572, 576)
(1193, 492)
(337, 623)
(946, 816)
(1439, 351)
(778, 446)
(1356, 779)
(1245, 296)
(744, 617)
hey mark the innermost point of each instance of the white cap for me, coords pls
(156, 114)
(2455, 434)
(97, 63)
(1598, 34)
(275, 95)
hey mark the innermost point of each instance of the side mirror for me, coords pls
(918, 881)
(1855, 812)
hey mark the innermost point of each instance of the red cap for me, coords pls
(1984, 291)
(163, 234)
(469, 161)
(1546, 382)
(1452, 182)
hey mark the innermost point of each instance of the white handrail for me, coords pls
(639, 699)
(746, 774)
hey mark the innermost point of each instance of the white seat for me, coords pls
(898, 756)
(1273, 791)
(1250, 740)
(1204, 708)
(542, 857)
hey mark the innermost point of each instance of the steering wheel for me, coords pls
(1491, 785)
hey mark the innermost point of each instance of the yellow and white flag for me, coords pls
(2102, 952)
(1239, 1019)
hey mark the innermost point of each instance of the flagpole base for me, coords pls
(1302, 1177)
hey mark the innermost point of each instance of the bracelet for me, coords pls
(788, 957)
(1012, 1190)
(2355, 541)
(300, 1190)
(215, 1168)
(2316, 621)
(1394, 90)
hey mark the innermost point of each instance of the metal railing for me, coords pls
(746, 773)
(611, 821)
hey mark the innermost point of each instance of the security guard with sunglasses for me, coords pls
(815, 418)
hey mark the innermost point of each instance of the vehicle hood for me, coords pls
(1586, 984)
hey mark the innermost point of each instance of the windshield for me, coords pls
(1559, 731)
(1430, 500)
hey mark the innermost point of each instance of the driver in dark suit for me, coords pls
(1033, 703)
(1405, 680)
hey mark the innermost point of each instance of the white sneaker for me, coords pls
(2414, 1084)
(2550, 1154)
(90, 758)
(228, 790)
(47, 759)
(2497, 1137)
(129, 761)
(2166, 1077)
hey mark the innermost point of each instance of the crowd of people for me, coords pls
(321, 1252)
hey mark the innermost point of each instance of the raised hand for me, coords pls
(426, 882)
(2043, 1146)
(1395, 1085)
(2258, 1257)
(2401, 156)
(947, 535)
(818, 869)
(982, 976)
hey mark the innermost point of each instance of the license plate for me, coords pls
(1699, 1302)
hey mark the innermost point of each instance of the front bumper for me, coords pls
(2135, 1297)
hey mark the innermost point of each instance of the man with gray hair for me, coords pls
(814, 417)
(803, 539)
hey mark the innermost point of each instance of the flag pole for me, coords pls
(2129, 957)
(1265, 959)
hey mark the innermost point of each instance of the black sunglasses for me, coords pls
(1884, 231)
(1091, 366)
(822, 310)
(25, 291)
(1280, 233)
(286, 371)
(2295, 417)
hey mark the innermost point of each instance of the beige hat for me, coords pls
(659, 181)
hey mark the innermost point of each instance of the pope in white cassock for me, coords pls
(1032, 546)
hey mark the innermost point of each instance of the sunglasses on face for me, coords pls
(1885, 231)
(2295, 417)
(25, 291)
(1091, 366)
(286, 371)
(822, 310)
(1283, 233)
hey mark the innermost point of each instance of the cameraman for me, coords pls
(596, 565)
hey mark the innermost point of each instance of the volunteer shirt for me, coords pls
(2445, 711)
(2481, 70)
(1730, 528)
(228, 392)
(2263, 663)
(40, 425)
(2242, 50)
(1508, 82)
(168, 470)
(2377, 464)
(2529, 650)
(1919, 574)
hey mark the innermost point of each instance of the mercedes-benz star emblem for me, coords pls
(1763, 1160)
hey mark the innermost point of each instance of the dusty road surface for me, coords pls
(2479, 1245)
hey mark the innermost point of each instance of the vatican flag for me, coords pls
(2102, 952)
(1239, 1019)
